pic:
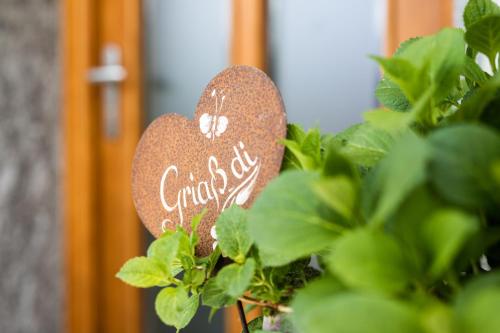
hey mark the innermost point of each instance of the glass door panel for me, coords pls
(186, 45)
(319, 58)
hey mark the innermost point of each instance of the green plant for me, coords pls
(400, 213)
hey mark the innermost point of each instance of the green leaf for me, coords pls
(447, 60)
(232, 233)
(437, 318)
(309, 296)
(475, 10)
(350, 312)
(461, 165)
(406, 224)
(490, 115)
(284, 212)
(365, 144)
(473, 72)
(405, 44)
(144, 272)
(388, 120)
(396, 176)
(215, 296)
(404, 74)
(437, 61)
(473, 107)
(339, 193)
(175, 307)
(311, 146)
(297, 157)
(212, 259)
(476, 309)
(276, 258)
(194, 277)
(484, 36)
(427, 71)
(295, 133)
(336, 163)
(236, 278)
(195, 222)
(255, 325)
(370, 260)
(444, 235)
(165, 250)
(303, 150)
(186, 250)
(390, 95)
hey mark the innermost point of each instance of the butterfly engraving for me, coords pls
(214, 125)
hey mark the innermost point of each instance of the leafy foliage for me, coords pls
(391, 225)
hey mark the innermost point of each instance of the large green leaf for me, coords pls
(477, 306)
(311, 297)
(484, 36)
(439, 59)
(287, 218)
(175, 307)
(396, 176)
(437, 317)
(365, 144)
(475, 10)
(407, 221)
(370, 260)
(351, 313)
(232, 233)
(443, 235)
(144, 272)
(236, 278)
(339, 193)
(461, 166)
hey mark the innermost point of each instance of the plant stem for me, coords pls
(278, 307)
(475, 269)
(493, 64)
(243, 318)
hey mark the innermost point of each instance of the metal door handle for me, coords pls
(109, 75)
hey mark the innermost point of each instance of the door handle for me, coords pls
(109, 76)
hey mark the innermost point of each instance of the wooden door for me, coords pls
(412, 18)
(101, 227)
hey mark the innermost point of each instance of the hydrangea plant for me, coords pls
(390, 226)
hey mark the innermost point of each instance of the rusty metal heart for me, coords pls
(224, 156)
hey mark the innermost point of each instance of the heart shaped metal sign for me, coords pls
(224, 156)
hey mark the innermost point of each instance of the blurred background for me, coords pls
(80, 80)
